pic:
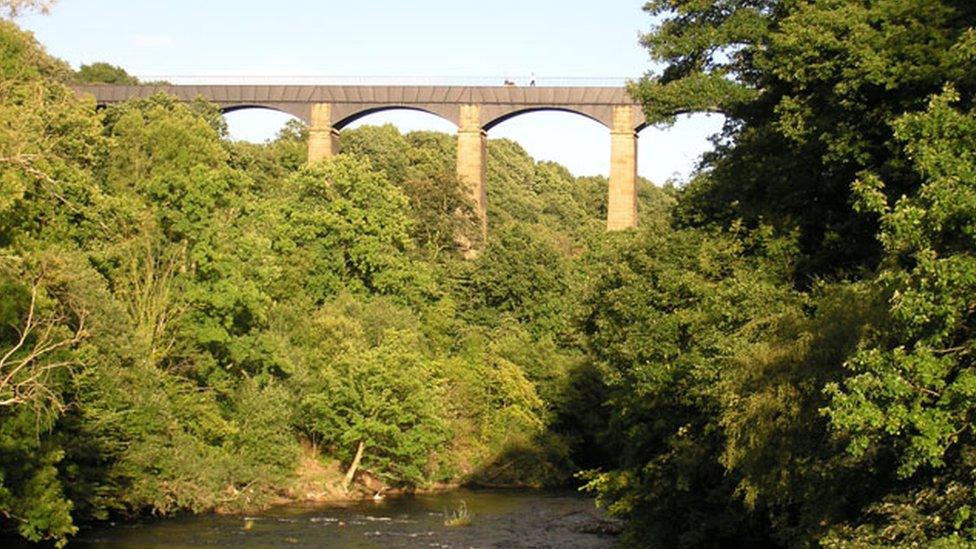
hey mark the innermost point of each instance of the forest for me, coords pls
(781, 355)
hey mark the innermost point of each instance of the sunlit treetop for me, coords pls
(13, 8)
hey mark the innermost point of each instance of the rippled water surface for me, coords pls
(498, 519)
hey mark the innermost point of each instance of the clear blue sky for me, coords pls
(578, 38)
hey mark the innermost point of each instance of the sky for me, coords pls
(415, 39)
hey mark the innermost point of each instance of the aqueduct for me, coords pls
(473, 109)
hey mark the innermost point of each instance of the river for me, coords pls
(498, 518)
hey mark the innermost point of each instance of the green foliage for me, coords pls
(747, 413)
(523, 275)
(771, 396)
(104, 73)
(380, 392)
(498, 414)
(810, 90)
(384, 145)
(910, 388)
(213, 305)
(664, 317)
(48, 142)
(421, 164)
(24, 59)
(32, 496)
(271, 162)
(349, 228)
(167, 159)
(170, 446)
(444, 216)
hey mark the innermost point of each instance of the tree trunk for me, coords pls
(352, 468)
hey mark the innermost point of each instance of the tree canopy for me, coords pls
(812, 388)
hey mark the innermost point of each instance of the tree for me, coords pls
(790, 472)
(48, 143)
(48, 292)
(348, 229)
(41, 344)
(911, 388)
(104, 73)
(665, 315)
(375, 402)
(809, 90)
(522, 274)
(50, 302)
(444, 216)
(384, 145)
(13, 8)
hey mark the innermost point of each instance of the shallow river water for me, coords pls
(498, 518)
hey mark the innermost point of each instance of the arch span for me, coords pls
(510, 115)
(226, 109)
(571, 139)
(298, 111)
(343, 119)
(256, 124)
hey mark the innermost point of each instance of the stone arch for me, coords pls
(498, 119)
(343, 115)
(256, 122)
(298, 111)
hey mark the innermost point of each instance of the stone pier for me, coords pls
(622, 197)
(323, 139)
(472, 159)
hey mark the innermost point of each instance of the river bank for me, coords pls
(320, 481)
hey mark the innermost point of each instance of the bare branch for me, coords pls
(24, 372)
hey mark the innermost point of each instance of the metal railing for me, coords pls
(352, 80)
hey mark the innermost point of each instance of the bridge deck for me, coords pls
(498, 103)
